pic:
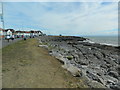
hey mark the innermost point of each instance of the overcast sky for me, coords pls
(66, 18)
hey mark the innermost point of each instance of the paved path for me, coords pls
(4, 43)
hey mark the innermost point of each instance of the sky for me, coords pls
(66, 18)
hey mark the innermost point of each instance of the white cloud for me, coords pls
(59, 0)
(88, 19)
(92, 18)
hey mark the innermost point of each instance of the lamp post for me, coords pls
(2, 19)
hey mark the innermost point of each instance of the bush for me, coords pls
(69, 57)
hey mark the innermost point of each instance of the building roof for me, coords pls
(12, 30)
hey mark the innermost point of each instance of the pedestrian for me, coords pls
(32, 36)
(24, 37)
(13, 37)
(8, 38)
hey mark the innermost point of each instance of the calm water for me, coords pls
(109, 40)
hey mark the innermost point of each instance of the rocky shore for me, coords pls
(99, 64)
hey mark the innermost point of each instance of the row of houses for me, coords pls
(10, 32)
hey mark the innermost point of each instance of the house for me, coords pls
(9, 32)
(5, 32)
(25, 33)
(32, 33)
(18, 33)
(38, 33)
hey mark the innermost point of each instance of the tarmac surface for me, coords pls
(4, 43)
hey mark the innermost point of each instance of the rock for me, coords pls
(74, 71)
(95, 84)
(83, 62)
(44, 46)
(61, 59)
(99, 74)
(50, 52)
(116, 86)
(88, 57)
(108, 61)
(40, 41)
(95, 77)
(98, 55)
(107, 77)
(103, 66)
(108, 65)
(113, 74)
(110, 81)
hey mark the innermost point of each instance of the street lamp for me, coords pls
(2, 19)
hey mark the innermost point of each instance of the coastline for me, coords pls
(98, 63)
(104, 40)
(90, 41)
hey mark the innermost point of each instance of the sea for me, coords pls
(107, 40)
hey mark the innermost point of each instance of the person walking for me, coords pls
(8, 38)
(13, 37)
(24, 37)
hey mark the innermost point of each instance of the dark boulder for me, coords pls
(116, 86)
(95, 77)
(113, 74)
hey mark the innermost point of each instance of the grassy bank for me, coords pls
(25, 65)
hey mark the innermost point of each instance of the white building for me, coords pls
(9, 32)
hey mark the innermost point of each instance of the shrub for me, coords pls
(69, 57)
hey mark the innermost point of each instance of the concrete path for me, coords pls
(5, 42)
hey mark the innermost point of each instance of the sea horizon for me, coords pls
(106, 40)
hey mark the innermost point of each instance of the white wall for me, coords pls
(9, 33)
(27, 34)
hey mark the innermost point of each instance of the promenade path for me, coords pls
(4, 43)
(25, 65)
